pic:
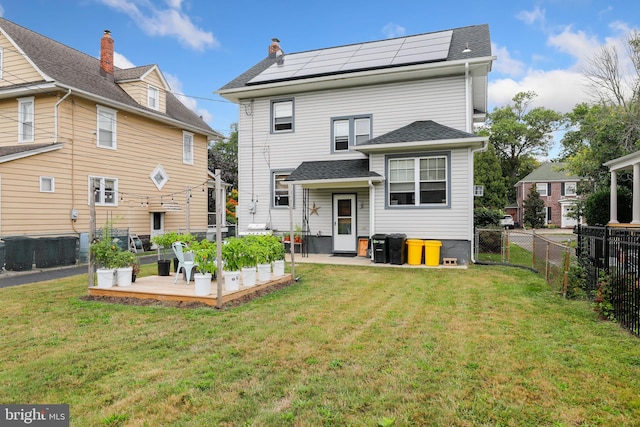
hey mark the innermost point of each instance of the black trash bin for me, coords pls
(68, 249)
(46, 250)
(2, 252)
(397, 252)
(379, 247)
(18, 253)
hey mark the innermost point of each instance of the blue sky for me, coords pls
(200, 45)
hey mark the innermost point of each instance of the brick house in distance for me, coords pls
(558, 190)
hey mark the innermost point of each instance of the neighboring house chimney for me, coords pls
(274, 48)
(106, 53)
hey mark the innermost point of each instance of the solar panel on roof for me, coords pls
(383, 53)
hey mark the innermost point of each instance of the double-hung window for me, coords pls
(543, 189)
(187, 148)
(279, 188)
(104, 190)
(25, 119)
(349, 131)
(153, 97)
(418, 181)
(282, 116)
(106, 127)
(569, 189)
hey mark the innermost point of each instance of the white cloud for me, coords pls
(537, 15)
(121, 61)
(171, 21)
(191, 103)
(392, 30)
(505, 64)
(576, 44)
(1, 10)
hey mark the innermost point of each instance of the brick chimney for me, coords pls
(274, 48)
(106, 53)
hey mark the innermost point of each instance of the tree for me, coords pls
(223, 155)
(488, 173)
(520, 134)
(534, 213)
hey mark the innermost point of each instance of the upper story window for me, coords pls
(25, 119)
(106, 127)
(104, 190)
(544, 188)
(282, 115)
(47, 184)
(153, 97)
(187, 148)
(349, 131)
(1, 61)
(569, 189)
(418, 181)
(279, 188)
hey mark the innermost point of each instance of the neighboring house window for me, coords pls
(547, 219)
(543, 189)
(104, 190)
(282, 116)
(1, 61)
(569, 189)
(153, 98)
(187, 148)
(349, 131)
(279, 188)
(159, 177)
(420, 181)
(106, 127)
(47, 184)
(25, 119)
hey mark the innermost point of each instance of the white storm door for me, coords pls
(344, 223)
(157, 224)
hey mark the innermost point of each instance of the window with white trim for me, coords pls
(349, 131)
(418, 181)
(187, 148)
(153, 97)
(541, 188)
(47, 184)
(26, 119)
(104, 190)
(282, 116)
(570, 189)
(159, 177)
(1, 61)
(106, 134)
(279, 188)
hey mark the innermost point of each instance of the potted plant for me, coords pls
(232, 254)
(204, 255)
(124, 270)
(297, 234)
(163, 242)
(105, 252)
(277, 256)
(135, 270)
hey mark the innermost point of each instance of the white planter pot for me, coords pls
(232, 280)
(248, 276)
(202, 284)
(278, 268)
(264, 272)
(123, 276)
(106, 277)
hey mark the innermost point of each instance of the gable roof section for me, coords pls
(73, 69)
(333, 172)
(549, 172)
(421, 134)
(15, 152)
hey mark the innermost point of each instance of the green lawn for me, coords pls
(360, 346)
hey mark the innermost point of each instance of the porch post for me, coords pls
(613, 203)
(636, 194)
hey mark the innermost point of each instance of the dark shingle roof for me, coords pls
(426, 130)
(550, 171)
(24, 150)
(476, 36)
(332, 169)
(75, 69)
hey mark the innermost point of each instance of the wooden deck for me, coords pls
(162, 288)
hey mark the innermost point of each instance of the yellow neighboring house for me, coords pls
(74, 127)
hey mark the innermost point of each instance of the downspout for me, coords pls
(55, 117)
(372, 213)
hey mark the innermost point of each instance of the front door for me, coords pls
(157, 224)
(344, 223)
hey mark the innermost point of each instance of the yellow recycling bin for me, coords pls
(414, 256)
(432, 252)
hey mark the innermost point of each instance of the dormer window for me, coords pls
(153, 97)
(25, 119)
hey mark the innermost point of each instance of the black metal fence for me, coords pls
(611, 256)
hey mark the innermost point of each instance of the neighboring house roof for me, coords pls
(327, 171)
(69, 68)
(550, 172)
(14, 152)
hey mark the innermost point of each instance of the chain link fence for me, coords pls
(528, 249)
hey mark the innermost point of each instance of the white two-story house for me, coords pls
(375, 138)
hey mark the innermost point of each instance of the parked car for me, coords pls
(507, 221)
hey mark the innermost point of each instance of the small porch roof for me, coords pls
(334, 174)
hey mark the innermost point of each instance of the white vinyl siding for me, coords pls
(26, 126)
(106, 134)
(187, 148)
